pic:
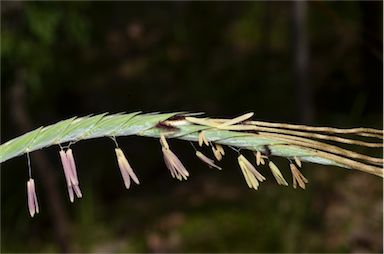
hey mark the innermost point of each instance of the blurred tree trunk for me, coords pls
(42, 166)
(303, 89)
(371, 34)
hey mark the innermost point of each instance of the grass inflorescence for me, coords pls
(296, 143)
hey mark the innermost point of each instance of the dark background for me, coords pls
(316, 63)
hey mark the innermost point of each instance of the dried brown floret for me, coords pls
(297, 177)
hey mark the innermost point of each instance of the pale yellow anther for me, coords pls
(277, 174)
(245, 173)
(217, 153)
(258, 158)
(175, 166)
(251, 175)
(203, 139)
(207, 160)
(220, 149)
(298, 161)
(125, 169)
